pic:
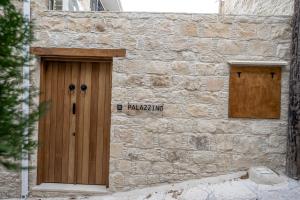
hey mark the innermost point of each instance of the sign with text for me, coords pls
(141, 107)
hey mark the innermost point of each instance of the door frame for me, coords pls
(79, 55)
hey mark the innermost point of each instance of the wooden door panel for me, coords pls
(87, 95)
(60, 117)
(79, 126)
(73, 121)
(93, 125)
(42, 122)
(107, 121)
(45, 144)
(90, 145)
(84, 121)
(53, 122)
(66, 134)
(55, 145)
(100, 125)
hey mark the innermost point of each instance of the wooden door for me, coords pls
(74, 133)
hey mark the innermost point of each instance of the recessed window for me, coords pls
(173, 6)
(178, 6)
(85, 5)
(254, 92)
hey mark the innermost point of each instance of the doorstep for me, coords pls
(57, 187)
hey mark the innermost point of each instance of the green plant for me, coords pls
(15, 32)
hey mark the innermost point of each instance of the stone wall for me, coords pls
(179, 60)
(10, 184)
(259, 7)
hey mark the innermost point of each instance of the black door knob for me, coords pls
(72, 87)
(83, 87)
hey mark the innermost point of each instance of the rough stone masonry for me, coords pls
(259, 7)
(180, 61)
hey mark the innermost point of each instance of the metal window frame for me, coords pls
(51, 5)
(97, 6)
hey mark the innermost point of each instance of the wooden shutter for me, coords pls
(255, 92)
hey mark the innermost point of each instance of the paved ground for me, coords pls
(229, 190)
(218, 188)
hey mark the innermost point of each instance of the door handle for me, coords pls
(83, 87)
(71, 87)
(74, 108)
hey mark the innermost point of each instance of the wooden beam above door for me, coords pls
(77, 52)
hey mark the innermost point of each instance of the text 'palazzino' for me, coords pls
(145, 107)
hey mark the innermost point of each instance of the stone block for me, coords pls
(205, 126)
(283, 51)
(197, 110)
(143, 167)
(225, 142)
(246, 31)
(155, 125)
(192, 84)
(140, 94)
(160, 81)
(202, 98)
(231, 47)
(136, 180)
(103, 39)
(82, 25)
(182, 68)
(55, 24)
(260, 48)
(263, 31)
(277, 144)
(144, 140)
(203, 45)
(233, 191)
(196, 193)
(172, 110)
(123, 134)
(265, 176)
(162, 168)
(155, 67)
(179, 44)
(117, 179)
(204, 157)
(283, 32)
(201, 142)
(153, 179)
(135, 80)
(189, 29)
(181, 125)
(214, 85)
(205, 69)
(172, 156)
(175, 141)
(124, 166)
(186, 168)
(116, 150)
(215, 30)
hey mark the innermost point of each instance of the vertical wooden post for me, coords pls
(293, 144)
